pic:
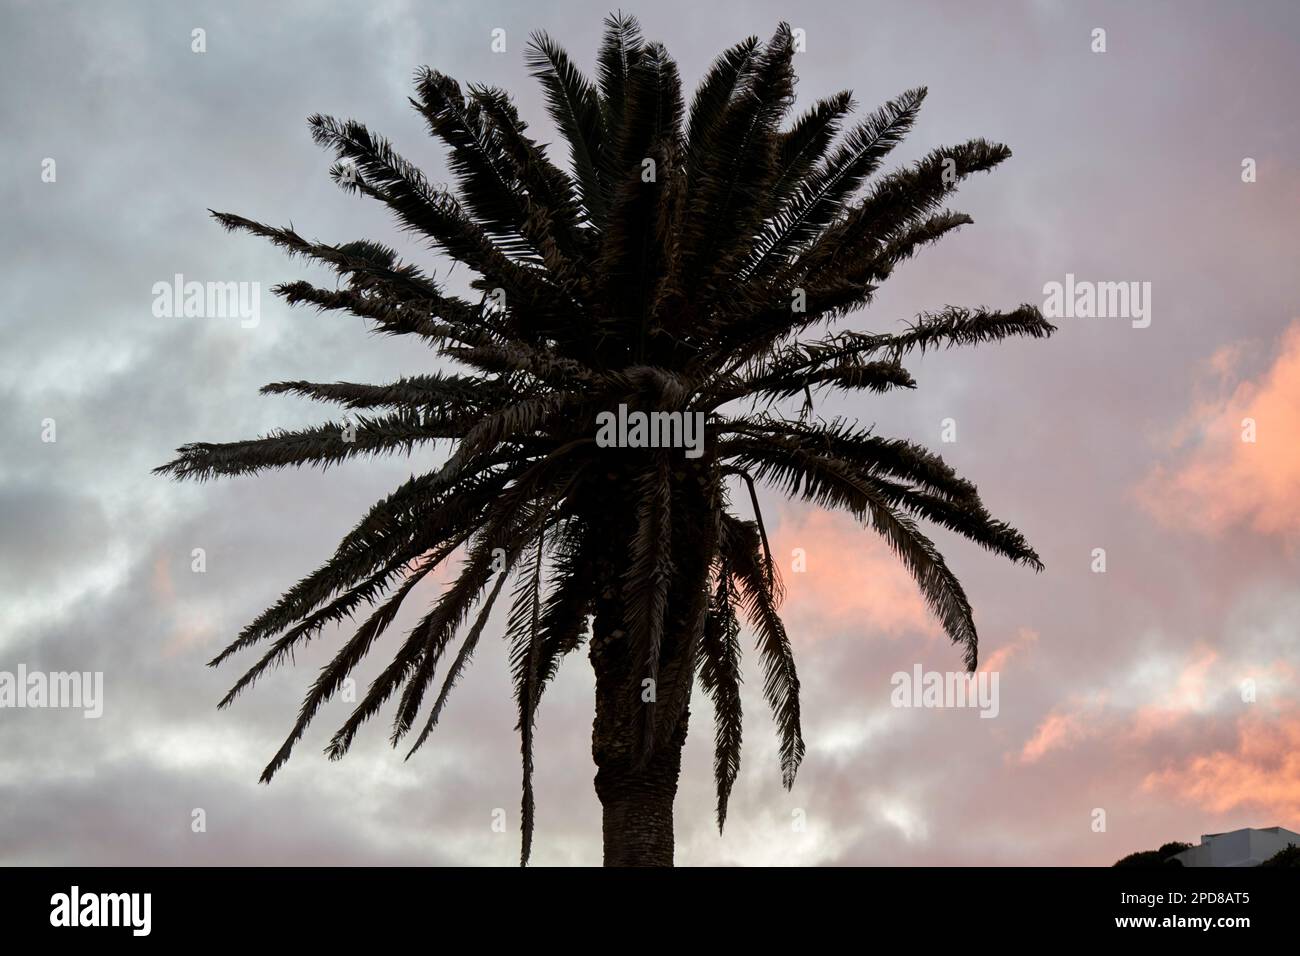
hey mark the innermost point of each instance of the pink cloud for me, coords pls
(1063, 728)
(850, 579)
(997, 661)
(1193, 692)
(1200, 701)
(1261, 772)
(1222, 480)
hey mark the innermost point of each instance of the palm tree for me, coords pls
(680, 266)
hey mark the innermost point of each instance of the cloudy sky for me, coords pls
(1120, 691)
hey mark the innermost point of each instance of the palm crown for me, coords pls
(681, 265)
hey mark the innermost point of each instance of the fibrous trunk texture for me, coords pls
(637, 765)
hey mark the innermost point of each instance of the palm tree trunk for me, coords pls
(636, 796)
(636, 793)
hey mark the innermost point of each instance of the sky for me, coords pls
(1155, 700)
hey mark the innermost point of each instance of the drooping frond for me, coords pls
(760, 597)
(336, 671)
(338, 610)
(418, 516)
(457, 668)
(514, 521)
(719, 666)
(563, 624)
(833, 483)
(414, 662)
(524, 634)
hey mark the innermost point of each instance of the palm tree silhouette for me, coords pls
(679, 267)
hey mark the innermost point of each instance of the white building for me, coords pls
(1238, 848)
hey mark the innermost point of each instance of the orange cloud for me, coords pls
(1200, 697)
(1262, 772)
(1193, 692)
(850, 577)
(1224, 481)
(997, 661)
(1063, 728)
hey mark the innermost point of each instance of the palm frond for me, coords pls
(760, 597)
(336, 611)
(800, 147)
(419, 515)
(488, 187)
(320, 445)
(731, 190)
(434, 391)
(620, 52)
(633, 250)
(457, 668)
(719, 667)
(336, 671)
(829, 482)
(574, 105)
(721, 85)
(822, 193)
(554, 217)
(524, 634)
(902, 197)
